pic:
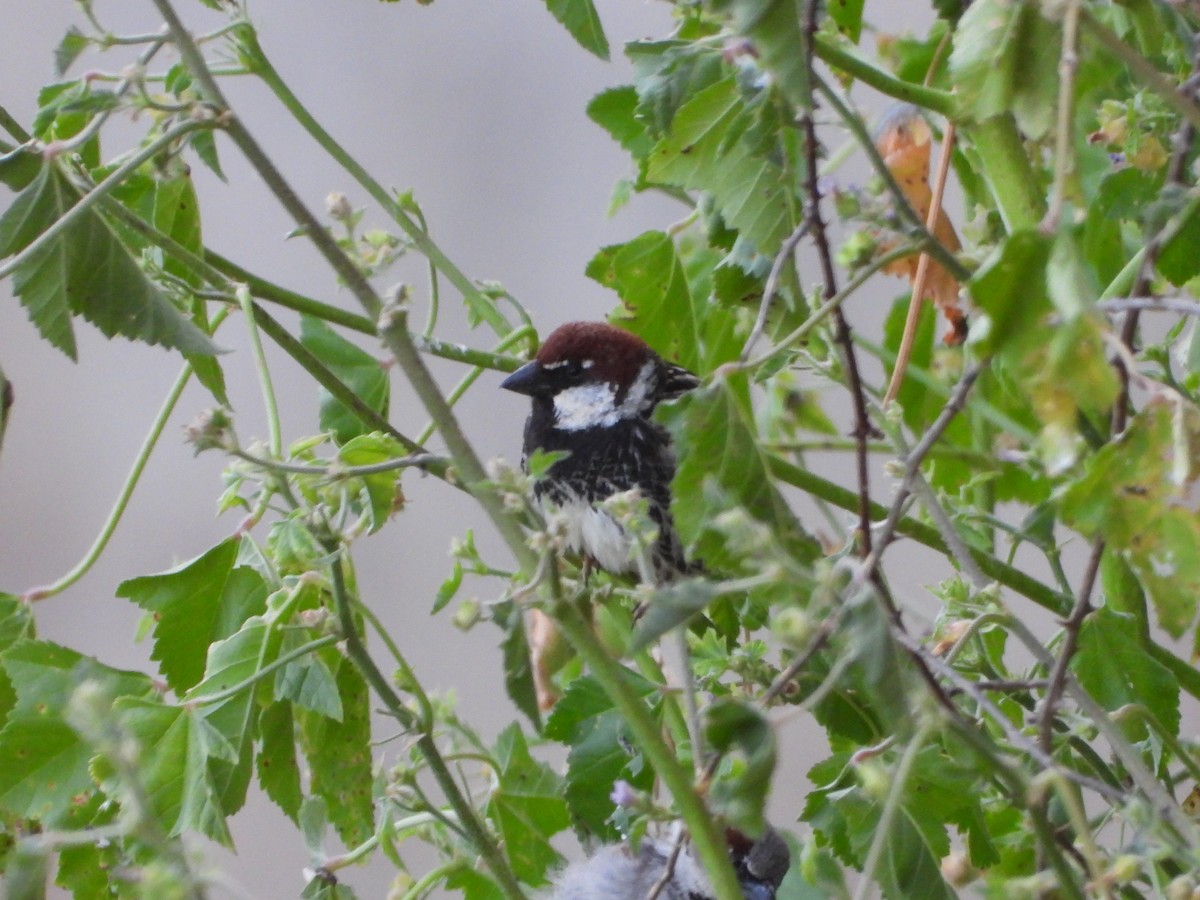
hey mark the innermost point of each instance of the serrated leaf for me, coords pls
(658, 303)
(86, 271)
(601, 750)
(339, 757)
(233, 661)
(580, 18)
(196, 604)
(720, 467)
(43, 760)
(1005, 59)
(615, 110)
(382, 489)
(668, 74)
(308, 682)
(278, 771)
(1113, 666)
(72, 44)
(354, 367)
(702, 153)
(526, 807)
(205, 145)
(175, 748)
(1125, 495)
(774, 27)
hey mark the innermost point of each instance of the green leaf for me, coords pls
(848, 16)
(1126, 495)
(526, 807)
(601, 750)
(518, 661)
(1113, 666)
(673, 605)
(658, 303)
(473, 885)
(668, 74)
(1005, 59)
(721, 467)
(848, 819)
(381, 489)
(615, 110)
(339, 757)
(580, 18)
(17, 169)
(278, 770)
(232, 661)
(704, 151)
(447, 589)
(774, 27)
(1178, 260)
(176, 746)
(86, 271)
(357, 369)
(196, 604)
(308, 681)
(728, 725)
(1010, 290)
(72, 44)
(16, 621)
(43, 760)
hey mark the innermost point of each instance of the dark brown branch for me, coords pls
(1058, 677)
(862, 425)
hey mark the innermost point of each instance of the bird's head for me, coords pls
(596, 375)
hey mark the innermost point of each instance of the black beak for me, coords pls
(530, 380)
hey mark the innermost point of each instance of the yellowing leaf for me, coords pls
(904, 141)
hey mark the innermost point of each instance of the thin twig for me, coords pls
(1071, 627)
(862, 425)
(668, 867)
(954, 405)
(772, 286)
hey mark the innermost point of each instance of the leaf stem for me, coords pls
(941, 102)
(92, 197)
(256, 60)
(131, 481)
(264, 372)
(1007, 169)
(481, 840)
(1007, 575)
(259, 674)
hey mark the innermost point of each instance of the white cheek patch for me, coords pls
(585, 406)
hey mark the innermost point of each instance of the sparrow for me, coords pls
(594, 388)
(616, 873)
